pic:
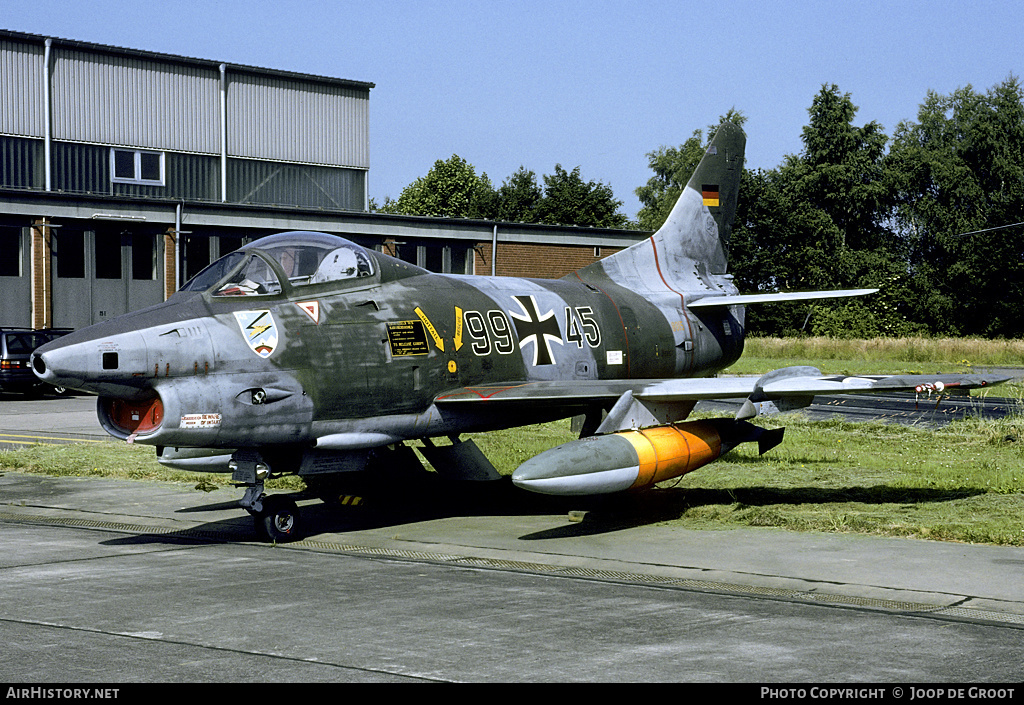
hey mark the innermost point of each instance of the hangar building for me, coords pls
(125, 172)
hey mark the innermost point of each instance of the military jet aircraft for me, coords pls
(305, 353)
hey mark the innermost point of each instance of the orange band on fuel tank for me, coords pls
(665, 452)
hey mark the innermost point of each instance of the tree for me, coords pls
(672, 168)
(820, 221)
(568, 200)
(961, 178)
(451, 189)
(842, 171)
(519, 197)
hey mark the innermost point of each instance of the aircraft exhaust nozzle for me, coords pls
(636, 460)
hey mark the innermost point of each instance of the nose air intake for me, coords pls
(124, 418)
(38, 365)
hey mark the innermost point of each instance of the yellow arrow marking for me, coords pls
(458, 328)
(438, 341)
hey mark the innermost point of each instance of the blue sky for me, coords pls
(596, 84)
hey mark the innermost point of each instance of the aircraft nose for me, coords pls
(55, 366)
(93, 364)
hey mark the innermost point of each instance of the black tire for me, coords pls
(279, 520)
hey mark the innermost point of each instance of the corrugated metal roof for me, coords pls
(177, 59)
(147, 100)
(123, 100)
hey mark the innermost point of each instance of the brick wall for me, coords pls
(170, 274)
(537, 261)
(42, 313)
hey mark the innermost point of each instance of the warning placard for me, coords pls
(407, 338)
(200, 421)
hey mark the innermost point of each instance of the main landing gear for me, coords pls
(275, 517)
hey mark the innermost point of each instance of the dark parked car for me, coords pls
(16, 346)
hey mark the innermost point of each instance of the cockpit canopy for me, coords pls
(303, 258)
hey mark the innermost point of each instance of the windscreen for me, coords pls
(304, 257)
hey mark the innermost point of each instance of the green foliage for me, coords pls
(844, 213)
(818, 222)
(451, 189)
(519, 197)
(672, 168)
(960, 169)
(568, 200)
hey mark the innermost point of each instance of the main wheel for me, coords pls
(279, 520)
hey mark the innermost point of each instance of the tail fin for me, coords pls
(695, 236)
(711, 191)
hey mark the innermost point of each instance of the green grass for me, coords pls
(969, 352)
(962, 482)
(112, 459)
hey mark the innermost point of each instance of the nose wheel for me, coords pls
(278, 520)
(275, 517)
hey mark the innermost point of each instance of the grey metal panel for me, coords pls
(273, 183)
(72, 296)
(275, 119)
(85, 168)
(21, 162)
(81, 168)
(135, 102)
(192, 176)
(22, 108)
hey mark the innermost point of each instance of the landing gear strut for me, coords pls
(275, 517)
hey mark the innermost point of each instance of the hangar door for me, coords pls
(102, 273)
(15, 277)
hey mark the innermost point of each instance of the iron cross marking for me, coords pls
(531, 327)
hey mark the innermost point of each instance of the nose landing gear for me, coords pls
(279, 520)
(275, 517)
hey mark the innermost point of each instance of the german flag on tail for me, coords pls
(709, 192)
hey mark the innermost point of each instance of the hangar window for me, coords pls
(10, 244)
(135, 166)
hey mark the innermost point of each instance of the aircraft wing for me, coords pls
(744, 299)
(598, 390)
(790, 383)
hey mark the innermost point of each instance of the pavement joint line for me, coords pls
(909, 608)
(44, 439)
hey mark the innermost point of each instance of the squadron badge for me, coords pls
(259, 330)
